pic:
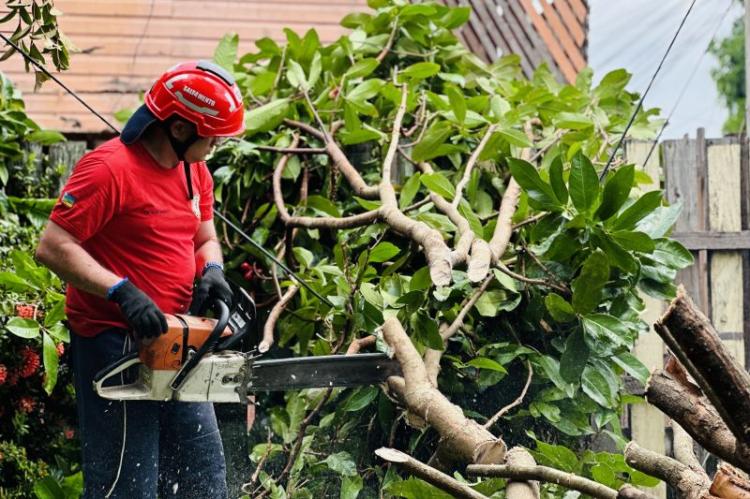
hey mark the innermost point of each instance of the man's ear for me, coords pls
(181, 130)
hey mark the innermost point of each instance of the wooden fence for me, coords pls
(709, 177)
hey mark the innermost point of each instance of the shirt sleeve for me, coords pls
(207, 192)
(88, 201)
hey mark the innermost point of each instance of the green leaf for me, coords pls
(485, 363)
(672, 254)
(409, 190)
(365, 90)
(266, 117)
(304, 256)
(574, 121)
(296, 76)
(644, 206)
(384, 251)
(414, 488)
(55, 314)
(12, 282)
(25, 328)
(48, 488)
(528, 178)
(45, 137)
(574, 358)
(660, 221)
(226, 51)
(458, 103)
(588, 286)
(359, 399)
(604, 330)
(456, 16)
(558, 307)
(515, 137)
(616, 192)
(436, 135)
(438, 184)
(351, 485)
(495, 301)
(634, 241)
(557, 456)
(631, 365)
(506, 281)
(427, 332)
(420, 71)
(421, 280)
(595, 385)
(49, 356)
(342, 462)
(362, 68)
(315, 68)
(556, 180)
(583, 183)
(358, 136)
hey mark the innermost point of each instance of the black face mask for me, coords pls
(180, 148)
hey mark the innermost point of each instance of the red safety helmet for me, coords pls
(202, 92)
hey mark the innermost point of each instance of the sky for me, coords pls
(634, 34)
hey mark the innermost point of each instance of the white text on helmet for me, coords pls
(199, 95)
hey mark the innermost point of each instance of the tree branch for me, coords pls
(544, 474)
(467, 440)
(358, 344)
(695, 414)
(521, 489)
(693, 339)
(516, 402)
(273, 317)
(688, 483)
(340, 161)
(435, 249)
(470, 164)
(428, 474)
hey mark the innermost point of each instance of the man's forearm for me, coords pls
(209, 251)
(75, 266)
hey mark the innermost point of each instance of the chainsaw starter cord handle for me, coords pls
(139, 310)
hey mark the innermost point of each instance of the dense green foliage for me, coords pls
(37, 436)
(729, 75)
(599, 244)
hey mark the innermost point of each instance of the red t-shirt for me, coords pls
(134, 218)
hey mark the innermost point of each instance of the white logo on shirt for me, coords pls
(197, 206)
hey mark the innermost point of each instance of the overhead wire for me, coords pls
(643, 96)
(689, 80)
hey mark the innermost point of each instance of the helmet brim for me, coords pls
(141, 119)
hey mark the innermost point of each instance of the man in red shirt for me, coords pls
(130, 233)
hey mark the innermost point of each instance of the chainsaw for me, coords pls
(201, 359)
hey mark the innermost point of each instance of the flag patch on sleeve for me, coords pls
(68, 199)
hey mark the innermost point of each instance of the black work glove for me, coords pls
(212, 286)
(140, 311)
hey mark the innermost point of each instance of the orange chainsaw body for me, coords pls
(169, 351)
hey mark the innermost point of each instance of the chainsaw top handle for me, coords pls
(222, 319)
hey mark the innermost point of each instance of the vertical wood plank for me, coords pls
(725, 214)
(685, 179)
(647, 422)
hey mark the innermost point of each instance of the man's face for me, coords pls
(201, 148)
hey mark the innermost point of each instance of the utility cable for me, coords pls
(216, 212)
(640, 102)
(688, 81)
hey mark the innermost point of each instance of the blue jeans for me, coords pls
(141, 449)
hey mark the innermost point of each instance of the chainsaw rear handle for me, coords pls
(222, 319)
(115, 392)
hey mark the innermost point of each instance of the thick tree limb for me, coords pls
(682, 445)
(521, 488)
(273, 317)
(428, 474)
(729, 484)
(695, 414)
(504, 229)
(694, 341)
(436, 251)
(340, 161)
(467, 440)
(689, 484)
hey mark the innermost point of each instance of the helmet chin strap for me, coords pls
(180, 148)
